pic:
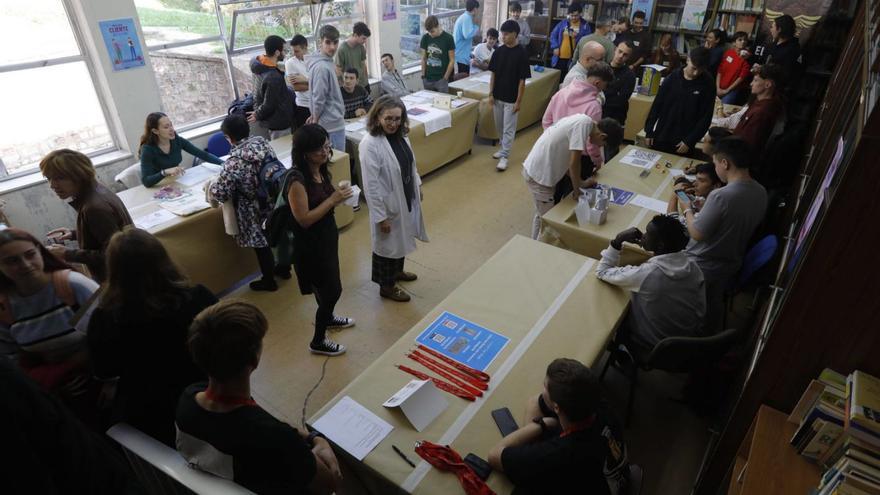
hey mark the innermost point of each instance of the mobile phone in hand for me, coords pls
(683, 196)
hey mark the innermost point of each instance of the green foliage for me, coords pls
(189, 5)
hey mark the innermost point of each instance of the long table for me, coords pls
(547, 301)
(560, 225)
(199, 244)
(434, 150)
(539, 89)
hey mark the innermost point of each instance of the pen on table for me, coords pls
(403, 456)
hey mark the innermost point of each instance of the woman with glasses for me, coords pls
(392, 187)
(312, 199)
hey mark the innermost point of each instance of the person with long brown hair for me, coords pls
(39, 296)
(666, 55)
(99, 212)
(160, 150)
(142, 318)
(392, 187)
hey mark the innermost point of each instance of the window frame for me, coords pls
(76, 28)
(440, 15)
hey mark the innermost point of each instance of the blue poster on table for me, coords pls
(123, 44)
(463, 341)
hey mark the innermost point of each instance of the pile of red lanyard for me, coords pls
(462, 380)
(446, 459)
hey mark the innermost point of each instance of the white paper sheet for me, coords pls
(643, 201)
(153, 219)
(195, 175)
(459, 103)
(186, 205)
(483, 77)
(419, 401)
(355, 126)
(433, 118)
(355, 196)
(640, 157)
(352, 427)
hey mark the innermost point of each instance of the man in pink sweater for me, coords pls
(582, 97)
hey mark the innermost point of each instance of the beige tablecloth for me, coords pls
(560, 226)
(539, 89)
(436, 150)
(639, 107)
(198, 243)
(547, 301)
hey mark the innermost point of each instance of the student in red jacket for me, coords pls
(733, 70)
(765, 108)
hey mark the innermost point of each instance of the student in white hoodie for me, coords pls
(668, 291)
(327, 108)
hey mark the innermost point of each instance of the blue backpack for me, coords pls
(269, 181)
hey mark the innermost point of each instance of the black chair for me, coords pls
(672, 354)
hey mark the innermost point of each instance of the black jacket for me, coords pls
(273, 101)
(617, 94)
(682, 110)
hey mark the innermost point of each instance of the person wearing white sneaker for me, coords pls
(510, 69)
(558, 152)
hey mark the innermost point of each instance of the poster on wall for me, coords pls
(123, 44)
(694, 14)
(645, 6)
(389, 10)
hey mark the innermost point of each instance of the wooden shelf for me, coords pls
(748, 12)
(767, 463)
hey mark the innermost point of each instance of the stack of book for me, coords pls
(731, 23)
(839, 429)
(748, 5)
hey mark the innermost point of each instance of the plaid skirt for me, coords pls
(385, 270)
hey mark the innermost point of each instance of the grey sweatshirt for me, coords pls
(668, 296)
(326, 95)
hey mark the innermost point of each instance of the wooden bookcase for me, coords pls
(666, 18)
(738, 15)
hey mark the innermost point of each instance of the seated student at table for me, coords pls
(239, 182)
(713, 135)
(591, 53)
(762, 116)
(682, 110)
(705, 182)
(357, 100)
(668, 293)
(160, 150)
(666, 55)
(99, 212)
(222, 430)
(483, 52)
(619, 90)
(570, 442)
(734, 70)
(144, 313)
(392, 81)
(720, 234)
(558, 152)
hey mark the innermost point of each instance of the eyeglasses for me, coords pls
(392, 120)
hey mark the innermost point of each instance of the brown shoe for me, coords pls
(395, 294)
(406, 276)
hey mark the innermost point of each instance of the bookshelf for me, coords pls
(666, 17)
(615, 9)
(738, 15)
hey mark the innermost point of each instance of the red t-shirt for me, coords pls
(732, 67)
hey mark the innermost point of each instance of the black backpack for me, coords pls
(277, 226)
(242, 105)
(269, 181)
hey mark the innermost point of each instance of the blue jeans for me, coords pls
(337, 139)
(730, 98)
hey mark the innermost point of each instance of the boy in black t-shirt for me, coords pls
(570, 445)
(510, 69)
(221, 430)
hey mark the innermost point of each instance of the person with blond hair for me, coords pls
(99, 212)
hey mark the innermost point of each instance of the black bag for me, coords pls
(241, 106)
(278, 221)
(270, 179)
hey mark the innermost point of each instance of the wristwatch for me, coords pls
(310, 440)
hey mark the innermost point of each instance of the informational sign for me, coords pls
(122, 42)
(389, 10)
(463, 341)
(694, 14)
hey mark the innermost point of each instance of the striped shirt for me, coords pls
(42, 320)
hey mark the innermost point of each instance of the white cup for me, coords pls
(459, 94)
(344, 184)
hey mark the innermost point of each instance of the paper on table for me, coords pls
(434, 119)
(642, 158)
(186, 205)
(459, 103)
(419, 401)
(355, 126)
(482, 77)
(649, 203)
(656, 67)
(213, 167)
(194, 175)
(353, 427)
(153, 219)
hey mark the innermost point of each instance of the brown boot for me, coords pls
(394, 293)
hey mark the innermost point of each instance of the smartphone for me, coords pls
(683, 196)
(646, 172)
(504, 420)
(481, 467)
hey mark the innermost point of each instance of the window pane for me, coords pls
(252, 28)
(168, 21)
(37, 29)
(441, 6)
(343, 15)
(193, 82)
(62, 117)
(412, 19)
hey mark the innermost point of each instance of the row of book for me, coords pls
(615, 11)
(752, 5)
(668, 20)
(839, 429)
(731, 23)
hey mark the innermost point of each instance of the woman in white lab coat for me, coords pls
(392, 188)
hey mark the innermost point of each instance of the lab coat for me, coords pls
(383, 189)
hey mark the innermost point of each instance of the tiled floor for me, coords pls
(471, 210)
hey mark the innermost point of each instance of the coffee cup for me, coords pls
(459, 94)
(343, 184)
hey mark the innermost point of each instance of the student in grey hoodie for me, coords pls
(668, 292)
(327, 107)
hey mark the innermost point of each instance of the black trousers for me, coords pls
(266, 261)
(564, 186)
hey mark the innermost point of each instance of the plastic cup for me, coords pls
(459, 94)
(344, 184)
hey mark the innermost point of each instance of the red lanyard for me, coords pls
(479, 375)
(579, 426)
(463, 376)
(444, 458)
(446, 387)
(436, 369)
(229, 401)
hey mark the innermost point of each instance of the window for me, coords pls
(47, 72)
(412, 21)
(189, 59)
